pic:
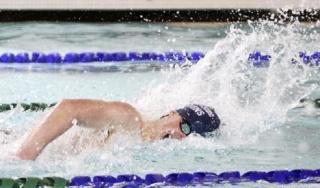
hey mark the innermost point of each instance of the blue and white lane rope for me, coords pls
(255, 58)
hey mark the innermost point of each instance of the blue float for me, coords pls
(54, 58)
(154, 178)
(38, 57)
(80, 181)
(87, 57)
(121, 56)
(196, 56)
(254, 176)
(22, 58)
(104, 181)
(7, 58)
(259, 60)
(71, 58)
(103, 57)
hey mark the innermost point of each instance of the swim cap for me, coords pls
(202, 119)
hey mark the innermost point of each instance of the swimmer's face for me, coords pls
(171, 126)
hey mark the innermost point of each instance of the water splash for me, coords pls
(248, 99)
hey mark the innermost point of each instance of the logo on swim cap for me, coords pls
(202, 119)
(197, 110)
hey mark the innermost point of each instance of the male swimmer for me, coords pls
(117, 117)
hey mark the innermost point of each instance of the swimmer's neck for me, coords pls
(151, 130)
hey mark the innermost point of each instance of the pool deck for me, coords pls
(154, 4)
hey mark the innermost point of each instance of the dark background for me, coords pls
(220, 15)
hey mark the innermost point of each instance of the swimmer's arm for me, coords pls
(89, 113)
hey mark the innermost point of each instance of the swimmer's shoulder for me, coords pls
(129, 117)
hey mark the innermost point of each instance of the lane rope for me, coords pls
(72, 57)
(31, 107)
(256, 58)
(305, 176)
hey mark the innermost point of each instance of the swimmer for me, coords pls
(117, 117)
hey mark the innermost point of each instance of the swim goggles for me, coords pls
(185, 127)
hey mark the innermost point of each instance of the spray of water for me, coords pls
(249, 100)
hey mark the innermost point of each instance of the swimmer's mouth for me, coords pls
(166, 136)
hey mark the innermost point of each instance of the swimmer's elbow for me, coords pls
(69, 107)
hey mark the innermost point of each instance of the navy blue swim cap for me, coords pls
(202, 119)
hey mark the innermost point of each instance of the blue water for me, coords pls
(262, 128)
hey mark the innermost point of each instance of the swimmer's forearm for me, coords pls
(55, 124)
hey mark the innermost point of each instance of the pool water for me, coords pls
(262, 127)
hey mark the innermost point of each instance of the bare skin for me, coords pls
(115, 116)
